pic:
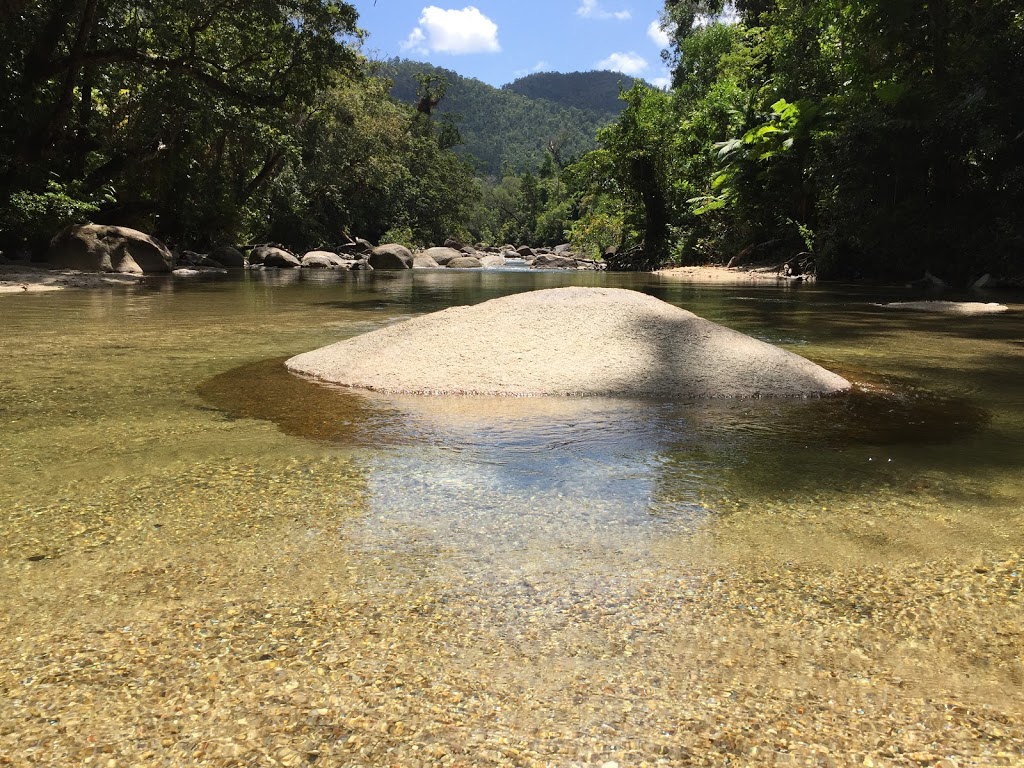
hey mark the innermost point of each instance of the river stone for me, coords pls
(280, 258)
(465, 262)
(549, 261)
(321, 260)
(443, 255)
(491, 260)
(101, 248)
(424, 261)
(580, 341)
(391, 256)
(272, 256)
(229, 256)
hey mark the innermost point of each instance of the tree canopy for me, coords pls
(876, 138)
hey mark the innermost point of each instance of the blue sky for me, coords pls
(499, 41)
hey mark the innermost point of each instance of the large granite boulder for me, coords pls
(465, 262)
(443, 255)
(581, 341)
(322, 260)
(390, 256)
(103, 248)
(273, 256)
(424, 261)
(549, 261)
(229, 256)
(491, 260)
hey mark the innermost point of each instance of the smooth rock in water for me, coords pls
(282, 259)
(321, 260)
(272, 256)
(465, 262)
(491, 260)
(442, 255)
(424, 261)
(391, 256)
(230, 257)
(101, 248)
(581, 341)
(357, 248)
(548, 261)
(948, 307)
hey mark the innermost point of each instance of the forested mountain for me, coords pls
(596, 92)
(502, 129)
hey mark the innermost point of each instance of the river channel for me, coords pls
(207, 561)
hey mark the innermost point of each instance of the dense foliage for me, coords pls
(596, 92)
(211, 122)
(880, 138)
(501, 130)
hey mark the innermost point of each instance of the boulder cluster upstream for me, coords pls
(102, 248)
(567, 341)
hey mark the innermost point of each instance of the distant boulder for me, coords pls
(391, 256)
(321, 260)
(273, 256)
(491, 260)
(549, 261)
(465, 262)
(424, 261)
(102, 248)
(230, 257)
(443, 255)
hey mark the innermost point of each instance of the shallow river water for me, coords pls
(207, 561)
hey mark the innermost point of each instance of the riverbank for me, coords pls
(25, 278)
(22, 278)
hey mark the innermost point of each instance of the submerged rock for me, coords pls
(567, 341)
(948, 307)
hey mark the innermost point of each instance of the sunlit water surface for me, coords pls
(160, 419)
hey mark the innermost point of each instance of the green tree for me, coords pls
(182, 111)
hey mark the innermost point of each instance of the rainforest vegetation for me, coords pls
(880, 138)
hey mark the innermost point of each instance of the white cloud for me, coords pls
(657, 34)
(591, 9)
(664, 82)
(465, 31)
(626, 63)
(540, 66)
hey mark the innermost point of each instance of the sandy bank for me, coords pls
(23, 278)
